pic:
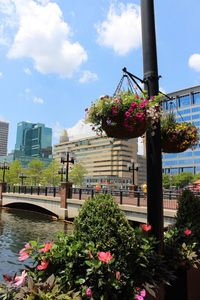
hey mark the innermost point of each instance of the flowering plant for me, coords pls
(125, 115)
(177, 137)
(180, 245)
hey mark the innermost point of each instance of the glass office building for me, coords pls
(34, 141)
(186, 106)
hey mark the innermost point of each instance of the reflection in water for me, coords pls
(17, 227)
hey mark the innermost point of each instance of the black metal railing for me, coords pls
(34, 190)
(136, 198)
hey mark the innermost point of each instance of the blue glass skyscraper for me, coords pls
(186, 106)
(34, 141)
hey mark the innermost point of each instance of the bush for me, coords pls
(188, 214)
(101, 221)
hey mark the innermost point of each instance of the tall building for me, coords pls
(34, 141)
(4, 126)
(186, 106)
(105, 160)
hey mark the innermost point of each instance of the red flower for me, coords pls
(146, 227)
(47, 247)
(104, 256)
(43, 265)
(187, 231)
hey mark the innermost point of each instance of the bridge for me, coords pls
(66, 202)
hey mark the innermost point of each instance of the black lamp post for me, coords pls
(66, 160)
(22, 176)
(153, 143)
(62, 171)
(133, 167)
(4, 166)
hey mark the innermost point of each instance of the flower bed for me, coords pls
(126, 115)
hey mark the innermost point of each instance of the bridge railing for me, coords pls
(136, 198)
(34, 190)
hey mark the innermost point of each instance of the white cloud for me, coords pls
(88, 76)
(27, 71)
(194, 62)
(38, 100)
(122, 28)
(1, 75)
(80, 130)
(44, 37)
(57, 130)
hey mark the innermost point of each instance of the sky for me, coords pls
(57, 56)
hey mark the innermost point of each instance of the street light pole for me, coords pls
(4, 167)
(134, 167)
(68, 161)
(153, 143)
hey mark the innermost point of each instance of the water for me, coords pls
(17, 227)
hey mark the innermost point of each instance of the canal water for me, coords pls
(17, 227)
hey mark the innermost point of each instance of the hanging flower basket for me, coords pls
(116, 128)
(177, 137)
(124, 116)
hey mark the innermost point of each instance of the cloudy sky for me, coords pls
(57, 56)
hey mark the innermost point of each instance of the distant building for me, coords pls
(4, 126)
(105, 160)
(186, 106)
(34, 141)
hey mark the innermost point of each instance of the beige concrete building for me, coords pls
(105, 160)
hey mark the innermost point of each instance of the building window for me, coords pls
(184, 101)
(196, 98)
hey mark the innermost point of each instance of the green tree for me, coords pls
(35, 170)
(50, 174)
(183, 179)
(12, 175)
(166, 181)
(77, 174)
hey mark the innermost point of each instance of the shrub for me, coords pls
(101, 221)
(188, 214)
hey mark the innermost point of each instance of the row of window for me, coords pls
(183, 101)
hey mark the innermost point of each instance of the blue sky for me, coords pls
(57, 56)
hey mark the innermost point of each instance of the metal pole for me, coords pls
(67, 167)
(153, 144)
(133, 175)
(4, 170)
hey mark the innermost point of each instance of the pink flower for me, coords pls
(104, 256)
(43, 265)
(114, 111)
(140, 116)
(134, 105)
(127, 114)
(143, 293)
(146, 227)
(187, 231)
(138, 297)
(23, 255)
(118, 275)
(88, 292)
(47, 247)
(18, 280)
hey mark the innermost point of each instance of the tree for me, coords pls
(50, 174)
(77, 174)
(35, 169)
(12, 176)
(166, 181)
(183, 179)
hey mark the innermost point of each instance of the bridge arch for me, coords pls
(31, 207)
